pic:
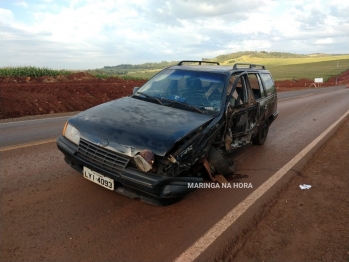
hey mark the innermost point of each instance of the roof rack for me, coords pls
(244, 65)
(192, 61)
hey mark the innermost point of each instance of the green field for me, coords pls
(323, 69)
(296, 68)
(144, 73)
(283, 66)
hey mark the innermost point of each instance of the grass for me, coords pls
(145, 74)
(297, 68)
(31, 71)
(323, 69)
(106, 74)
(282, 68)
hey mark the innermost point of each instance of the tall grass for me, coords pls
(31, 71)
(106, 74)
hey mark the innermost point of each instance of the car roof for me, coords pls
(238, 67)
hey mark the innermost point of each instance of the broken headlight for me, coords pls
(144, 160)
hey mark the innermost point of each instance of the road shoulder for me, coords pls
(310, 224)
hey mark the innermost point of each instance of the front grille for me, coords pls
(101, 156)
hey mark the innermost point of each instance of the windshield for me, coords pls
(202, 90)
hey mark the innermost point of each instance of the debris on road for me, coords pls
(304, 186)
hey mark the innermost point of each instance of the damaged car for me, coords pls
(175, 129)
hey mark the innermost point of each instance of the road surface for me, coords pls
(49, 212)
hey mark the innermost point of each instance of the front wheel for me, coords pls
(222, 165)
(261, 136)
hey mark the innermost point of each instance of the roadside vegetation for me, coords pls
(122, 75)
(283, 66)
(31, 71)
(293, 66)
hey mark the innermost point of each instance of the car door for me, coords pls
(270, 94)
(242, 113)
(256, 86)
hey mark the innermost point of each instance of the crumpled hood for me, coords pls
(131, 125)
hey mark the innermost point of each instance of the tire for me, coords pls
(222, 165)
(262, 134)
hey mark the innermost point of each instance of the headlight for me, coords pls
(144, 160)
(71, 133)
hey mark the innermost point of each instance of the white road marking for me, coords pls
(214, 232)
(7, 148)
(39, 119)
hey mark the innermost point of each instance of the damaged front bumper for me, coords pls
(128, 180)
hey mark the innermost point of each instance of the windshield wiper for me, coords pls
(184, 104)
(152, 97)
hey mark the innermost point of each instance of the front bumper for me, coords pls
(130, 181)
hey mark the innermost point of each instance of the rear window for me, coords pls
(268, 83)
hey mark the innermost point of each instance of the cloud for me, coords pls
(21, 4)
(6, 16)
(93, 33)
(324, 41)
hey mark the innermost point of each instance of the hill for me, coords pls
(282, 65)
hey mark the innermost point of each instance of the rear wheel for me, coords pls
(261, 136)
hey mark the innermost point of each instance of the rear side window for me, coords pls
(268, 83)
(256, 86)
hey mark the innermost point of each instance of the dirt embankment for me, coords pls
(342, 79)
(22, 96)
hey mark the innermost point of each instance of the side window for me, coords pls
(268, 83)
(261, 86)
(240, 94)
(256, 86)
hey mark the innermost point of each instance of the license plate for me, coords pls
(98, 178)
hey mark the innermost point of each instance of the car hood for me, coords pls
(131, 125)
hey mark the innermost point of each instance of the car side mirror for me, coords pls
(135, 89)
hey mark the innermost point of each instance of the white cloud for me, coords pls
(6, 16)
(324, 41)
(94, 33)
(21, 4)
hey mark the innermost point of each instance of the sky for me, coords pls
(91, 34)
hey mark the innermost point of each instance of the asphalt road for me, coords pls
(28, 131)
(49, 212)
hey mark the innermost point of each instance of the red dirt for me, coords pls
(23, 96)
(342, 79)
(311, 224)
